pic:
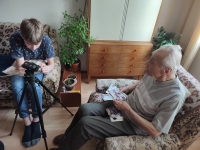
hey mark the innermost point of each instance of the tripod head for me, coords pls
(30, 68)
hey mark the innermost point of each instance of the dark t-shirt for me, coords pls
(18, 49)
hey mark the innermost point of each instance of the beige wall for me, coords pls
(188, 30)
(194, 68)
(173, 14)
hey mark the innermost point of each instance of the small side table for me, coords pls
(71, 98)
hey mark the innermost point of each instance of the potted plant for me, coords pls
(69, 83)
(165, 37)
(75, 35)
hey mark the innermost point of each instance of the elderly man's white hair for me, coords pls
(171, 57)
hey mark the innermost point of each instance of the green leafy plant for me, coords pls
(75, 35)
(165, 37)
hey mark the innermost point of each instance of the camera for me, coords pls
(30, 66)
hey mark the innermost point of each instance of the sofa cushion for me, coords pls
(103, 84)
(6, 29)
(193, 86)
(6, 61)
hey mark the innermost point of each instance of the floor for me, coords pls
(56, 120)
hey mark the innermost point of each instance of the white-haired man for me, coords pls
(149, 109)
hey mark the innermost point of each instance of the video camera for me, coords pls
(30, 66)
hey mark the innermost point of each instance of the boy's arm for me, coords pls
(47, 68)
(51, 63)
(19, 62)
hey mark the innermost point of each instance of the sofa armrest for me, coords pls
(170, 141)
(54, 75)
(187, 127)
(103, 84)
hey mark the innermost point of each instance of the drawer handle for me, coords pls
(135, 50)
(130, 71)
(103, 64)
(132, 65)
(104, 50)
(133, 58)
(103, 57)
(102, 71)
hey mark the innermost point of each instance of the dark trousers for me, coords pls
(91, 120)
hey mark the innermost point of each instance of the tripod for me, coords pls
(31, 79)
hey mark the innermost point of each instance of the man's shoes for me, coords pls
(58, 139)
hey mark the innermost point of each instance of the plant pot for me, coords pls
(73, 76)
(75, 66)
(69, 83)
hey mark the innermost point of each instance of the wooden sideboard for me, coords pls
(118, 58)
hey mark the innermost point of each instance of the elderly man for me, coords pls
(149, 109)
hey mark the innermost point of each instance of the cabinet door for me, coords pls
(126, 20)
(141, 19)
(105, 19)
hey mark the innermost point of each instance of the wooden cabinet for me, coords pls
(117, 58)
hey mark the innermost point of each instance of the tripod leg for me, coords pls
(55, 98)
(39, 113)
(18, 107)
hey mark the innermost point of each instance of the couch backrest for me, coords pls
(8, 28)
(193, 85)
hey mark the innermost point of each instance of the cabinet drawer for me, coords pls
(130, 71)
(103, 64)
(129, 49)
(103, 71)
(144, 57)
(129, 57)
(104, 49)
(135, 49)
(104, 57)
(131, 64)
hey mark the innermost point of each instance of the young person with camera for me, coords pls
(28, 43)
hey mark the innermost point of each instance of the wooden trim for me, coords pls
(115, 42)
(89, 13)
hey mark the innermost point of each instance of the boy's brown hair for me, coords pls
(32, 30)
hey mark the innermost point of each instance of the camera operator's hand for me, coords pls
(45, 68)
(21, 70)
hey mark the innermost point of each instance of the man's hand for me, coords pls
(121, 105)
(129, 88)
(45, 68)
(124, 89)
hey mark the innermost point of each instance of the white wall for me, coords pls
(47, 11)
(173, 13)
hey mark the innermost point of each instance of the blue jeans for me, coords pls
(18, 83)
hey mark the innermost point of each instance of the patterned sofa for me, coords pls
(51, 81)
(184, 131)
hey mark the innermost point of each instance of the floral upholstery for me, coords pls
(185, 128)
(51, 80)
